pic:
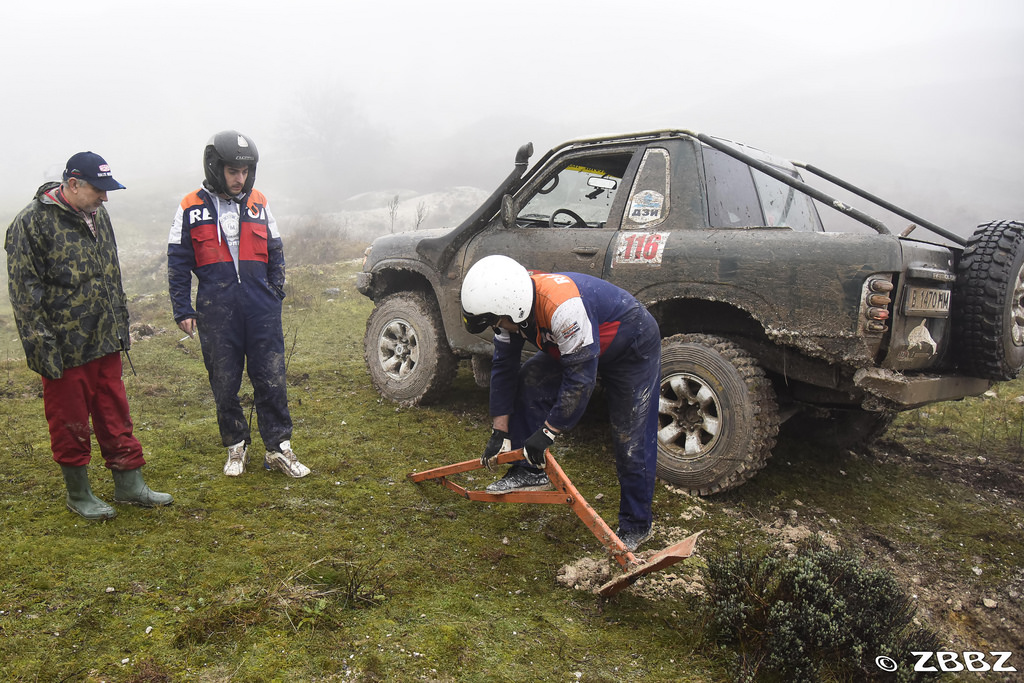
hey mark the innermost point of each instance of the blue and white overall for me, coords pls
(236, 253)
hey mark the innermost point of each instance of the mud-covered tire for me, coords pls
(481, 366)
(406, 351)
(718, 418)
(835, 430)
(988, 302)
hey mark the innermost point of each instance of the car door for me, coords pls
(649, 217)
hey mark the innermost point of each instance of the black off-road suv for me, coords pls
(766, 319)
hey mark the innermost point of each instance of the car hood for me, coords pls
(400, 245)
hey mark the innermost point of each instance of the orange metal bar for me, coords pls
(465, 466)
(582, 508)
(565, 494)
(660, 560)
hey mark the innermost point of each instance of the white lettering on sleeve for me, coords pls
(175, 236)
(570, 326)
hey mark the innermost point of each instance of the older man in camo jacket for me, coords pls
(72, 317)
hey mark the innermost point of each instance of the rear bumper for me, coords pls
(917, 390)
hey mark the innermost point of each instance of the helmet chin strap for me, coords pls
(523, 328)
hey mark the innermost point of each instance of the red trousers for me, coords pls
(94, 390)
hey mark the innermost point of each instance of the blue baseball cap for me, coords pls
(91, 168)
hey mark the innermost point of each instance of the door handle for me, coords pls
(585, 251)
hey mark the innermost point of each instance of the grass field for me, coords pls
(354, 573)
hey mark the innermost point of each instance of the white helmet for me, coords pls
(495, 286)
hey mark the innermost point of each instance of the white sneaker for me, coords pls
(285, 461)
(238, 457)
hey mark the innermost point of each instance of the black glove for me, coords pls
(498, 443)
(537, 444)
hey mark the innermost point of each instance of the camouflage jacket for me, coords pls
(65, 285)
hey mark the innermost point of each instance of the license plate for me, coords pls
(928, 302)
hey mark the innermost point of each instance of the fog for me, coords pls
(918, 101)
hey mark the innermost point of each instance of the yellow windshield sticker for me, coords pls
(586, 169)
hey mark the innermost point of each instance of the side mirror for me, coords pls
(508, 211)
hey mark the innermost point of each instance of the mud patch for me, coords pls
(997, 476)
(141, 331)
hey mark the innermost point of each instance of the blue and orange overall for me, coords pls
(617, 343)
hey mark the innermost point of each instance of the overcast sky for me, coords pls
(929, 90)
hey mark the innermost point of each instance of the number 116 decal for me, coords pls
(640, 247)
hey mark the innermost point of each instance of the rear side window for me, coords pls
(649, 198)
(784, 205)
(732, 199)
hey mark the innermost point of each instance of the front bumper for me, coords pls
(364, 281)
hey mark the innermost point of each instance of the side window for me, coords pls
(583, 185)
(732, 199)
(648, 203)
(786, 206)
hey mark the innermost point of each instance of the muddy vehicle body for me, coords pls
(767, 320)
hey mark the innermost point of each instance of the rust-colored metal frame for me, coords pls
(564, 494)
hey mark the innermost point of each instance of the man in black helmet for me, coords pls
(225, 234)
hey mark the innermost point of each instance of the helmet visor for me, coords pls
(475, 324)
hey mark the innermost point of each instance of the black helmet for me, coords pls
(229, 147)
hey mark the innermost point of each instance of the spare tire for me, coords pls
(988, 302)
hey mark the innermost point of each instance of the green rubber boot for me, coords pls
(129, 487)
(80, 499)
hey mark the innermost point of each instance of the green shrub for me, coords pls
(817, 615)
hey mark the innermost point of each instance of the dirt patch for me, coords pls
(141, 331)
(585, 574)
(591, 572)
(988, 475)
(971, 616)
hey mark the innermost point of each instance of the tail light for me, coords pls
(877, 303)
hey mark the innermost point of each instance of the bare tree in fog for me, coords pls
(393, 211)
(421, 214)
